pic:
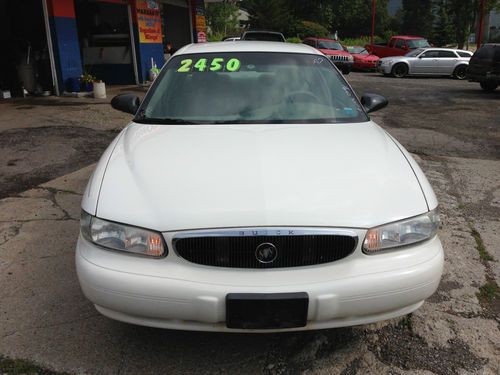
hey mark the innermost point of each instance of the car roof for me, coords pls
(443, 49)
(247, 46)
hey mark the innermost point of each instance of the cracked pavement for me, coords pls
(44, 317)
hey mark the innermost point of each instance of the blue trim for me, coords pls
(66, 50)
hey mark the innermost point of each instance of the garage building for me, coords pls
(49, 44)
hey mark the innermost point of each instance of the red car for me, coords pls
(334, 51)
(398, 45)
(363, 60)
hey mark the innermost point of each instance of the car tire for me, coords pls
(399, 70)
(460, 72)
(488, 85)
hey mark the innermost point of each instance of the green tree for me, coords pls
(464, 15)
(352, 18)
(443, 31)
(222, 18)
(270, 15)
(417, 17)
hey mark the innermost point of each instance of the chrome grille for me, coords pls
(238, 249)
(339, 58)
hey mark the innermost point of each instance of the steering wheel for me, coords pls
(301, 97)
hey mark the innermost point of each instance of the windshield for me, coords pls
(325, 44)
(250, 88)
(357, 50)
(417, 43)
(415, 53)
(264, 37)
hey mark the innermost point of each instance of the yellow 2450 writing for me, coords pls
(217, 64)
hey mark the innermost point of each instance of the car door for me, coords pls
(447, 62)
(426, 63)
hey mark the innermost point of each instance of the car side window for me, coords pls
(464, 54)
(400, 43)
(310, 42)
(430, 54)
(391, 44)
(446, 54)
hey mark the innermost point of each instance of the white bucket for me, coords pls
(99, 90)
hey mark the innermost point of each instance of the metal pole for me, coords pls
(50, 47)
(374, 8)
(479, 37)
(132, 44)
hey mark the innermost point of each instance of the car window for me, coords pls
(497, 54)
(430, 54)
(250, 88)
(357, 50)
(400, 43)
(418, 43)
(326, 44)
(266, 37)
(446, 54)
(415, 53)
(310, 42)
(464, 54)
(485, 52)
(392, 42)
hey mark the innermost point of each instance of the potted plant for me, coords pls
(87, 81)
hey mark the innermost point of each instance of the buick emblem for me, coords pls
(266, 253)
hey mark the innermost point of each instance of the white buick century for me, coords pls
(252, 193)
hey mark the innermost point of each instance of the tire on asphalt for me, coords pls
(399, 70)
(488, 85)
(460, 72)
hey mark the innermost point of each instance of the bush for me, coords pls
(311, 29)
(361, 41)
(294, 40)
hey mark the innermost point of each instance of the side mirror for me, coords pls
(128, 103)
(373, 102)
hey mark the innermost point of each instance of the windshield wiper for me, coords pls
(163, 121)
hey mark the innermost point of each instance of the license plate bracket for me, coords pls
(266, 311)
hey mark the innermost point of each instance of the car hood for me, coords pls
(395, 58)
(331, 52)
(176, 177)
(365, 57)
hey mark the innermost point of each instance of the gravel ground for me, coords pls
(452, 128)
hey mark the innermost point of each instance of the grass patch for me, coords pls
(405, 323)
(489, 292)
(483, 253)
(19, 366)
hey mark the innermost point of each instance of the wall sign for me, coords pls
(149, 21)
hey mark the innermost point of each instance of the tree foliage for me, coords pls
(222, 18)
(418, 17)
(353, 18)
(443, 31)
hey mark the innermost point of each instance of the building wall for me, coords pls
(146, 20)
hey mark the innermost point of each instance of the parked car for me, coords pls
(263, 36)
(484, 67)
(334, 51)
(363, 60)
(397, 46)
(252, 193)
(427, 61)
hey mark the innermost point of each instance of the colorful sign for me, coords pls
(200, 20)
(149, 21)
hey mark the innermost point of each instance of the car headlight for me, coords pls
(121, 237)
(350, 58)
(402, 233)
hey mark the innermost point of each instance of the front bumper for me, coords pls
(172, 293)
(344, 66)
(384, 69)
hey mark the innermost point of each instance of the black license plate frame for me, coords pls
(266, 310)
